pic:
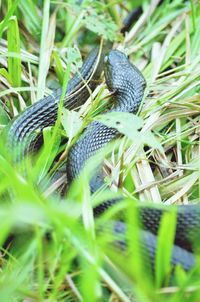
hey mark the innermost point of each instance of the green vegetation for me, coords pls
(57, 253)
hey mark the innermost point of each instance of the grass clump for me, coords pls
(58, 251)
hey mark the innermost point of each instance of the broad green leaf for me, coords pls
(101, 25)
(150, 140)
(124, 122)
(74, 58)
(71, 122)
(129, 124)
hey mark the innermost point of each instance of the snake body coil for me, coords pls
(127, 84)
(23, 132)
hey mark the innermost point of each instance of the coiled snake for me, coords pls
(127, 84)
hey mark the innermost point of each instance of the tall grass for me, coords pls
(52, 248)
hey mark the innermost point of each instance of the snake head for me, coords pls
(119, 72)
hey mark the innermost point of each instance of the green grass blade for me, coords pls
(164, 248)
(14, 60)
(44, 59)
(32, 19)
(9, 14)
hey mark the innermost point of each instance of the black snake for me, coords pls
(127, 84)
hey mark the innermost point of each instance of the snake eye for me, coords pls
(106, 59)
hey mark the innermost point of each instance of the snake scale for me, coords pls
(127, 84)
